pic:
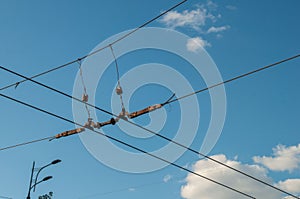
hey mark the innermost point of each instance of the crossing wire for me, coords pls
(129, 145)
(98, 50)
(170, 140)
(171, 101)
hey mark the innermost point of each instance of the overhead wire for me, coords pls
(26, 143)
(121, 38)
(129, 145)
(170, 100)
(37, 75)
(235, 78)
(98, 50)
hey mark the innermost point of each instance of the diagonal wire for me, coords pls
(129, 145)
(169, 101)
(37, 75)
(236, 78)
(26, 143)
(98, 50)
(168, 139)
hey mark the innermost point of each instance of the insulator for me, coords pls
(70, 132)
(144, 111)
(85, 98)
(119, 90)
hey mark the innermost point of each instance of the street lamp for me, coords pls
(51, 163)
(44, 179)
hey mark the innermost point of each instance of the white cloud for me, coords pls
(290, 185)
(197, 187)
(200, 19)
(284, 159)
(167, 178)
(214, 29)
(196, 43)
(193, 18)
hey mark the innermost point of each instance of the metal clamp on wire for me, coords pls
(123, 115)
(89, 124)
(68, 133)
(85, 98)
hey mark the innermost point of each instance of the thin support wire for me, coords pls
(120, 92)
(85, 95)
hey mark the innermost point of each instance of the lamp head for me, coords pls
(55, 161)
(47, 178)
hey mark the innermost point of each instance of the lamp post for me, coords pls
(44, 179)
(28, 195)
(51, 163)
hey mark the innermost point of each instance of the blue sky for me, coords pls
(261, 130)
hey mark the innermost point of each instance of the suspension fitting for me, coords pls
(85, 98)
(119, 90)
